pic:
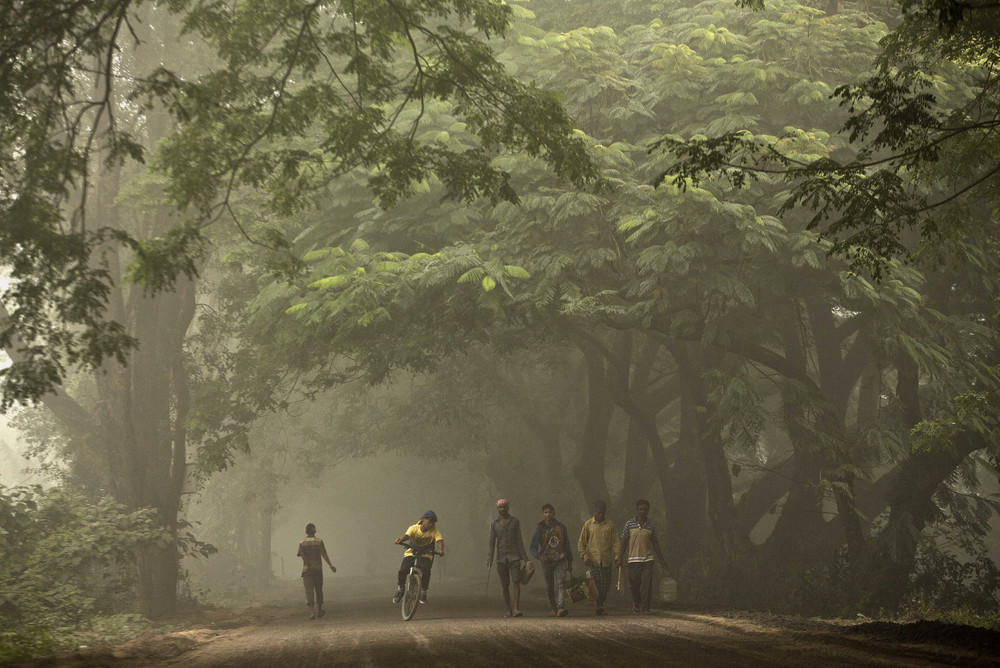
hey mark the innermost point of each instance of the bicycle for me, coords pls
(412, 583)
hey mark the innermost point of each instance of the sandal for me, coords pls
(508, 614)
(518, 613)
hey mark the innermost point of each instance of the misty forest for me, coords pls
(270, 262)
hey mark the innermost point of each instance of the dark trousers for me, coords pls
(313, 582)
(425, 567)
(640, 582)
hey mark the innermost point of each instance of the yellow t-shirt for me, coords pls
(422, 539)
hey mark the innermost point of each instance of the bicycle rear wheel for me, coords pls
(411, 596)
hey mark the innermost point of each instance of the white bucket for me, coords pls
(668, 589)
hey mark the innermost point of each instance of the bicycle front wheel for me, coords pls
(411, 596)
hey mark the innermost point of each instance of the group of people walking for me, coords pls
(600, 546)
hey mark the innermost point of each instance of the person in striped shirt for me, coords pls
(640, 547)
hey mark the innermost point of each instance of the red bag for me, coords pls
(577, 590)
(591, 588)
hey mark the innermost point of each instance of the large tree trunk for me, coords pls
(839, 372)
(589, 468)
(721, 508)
(687, 521)
(721, 511)
(145, 406)
(801, 518)
(153, 402)
(262, 557)
(638, 475)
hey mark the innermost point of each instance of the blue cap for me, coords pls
(430, 514)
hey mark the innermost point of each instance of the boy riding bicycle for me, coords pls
(425, 538)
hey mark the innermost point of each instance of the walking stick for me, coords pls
(619, 588)
(488, 569)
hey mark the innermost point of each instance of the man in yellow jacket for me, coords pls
(600, 550)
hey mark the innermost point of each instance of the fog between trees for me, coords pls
(359, 276)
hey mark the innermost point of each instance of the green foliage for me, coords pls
(27, 643)
(360, 293)
(159, 261)
(759, 584)
(38, 641)
(54, 300)
(66, 561)
(307, 94)
(918, 610)
(916, 119)
(56, 279)
(950, 579)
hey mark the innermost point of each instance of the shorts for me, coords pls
(509, 571)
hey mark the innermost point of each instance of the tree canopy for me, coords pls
(292, 95)
(927, 109)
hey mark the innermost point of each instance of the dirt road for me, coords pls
(363, 628)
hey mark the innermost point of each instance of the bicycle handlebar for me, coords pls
(419, 550)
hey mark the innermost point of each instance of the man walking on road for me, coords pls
(639, 543)
(600, 550)
(550, 546)
(506, 539)
(313, 552)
